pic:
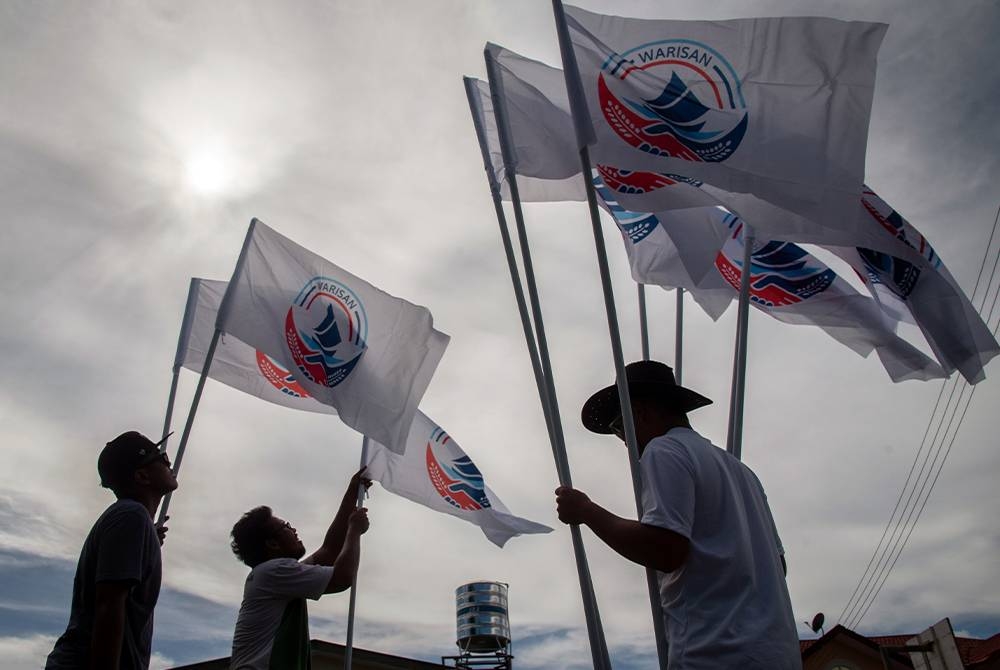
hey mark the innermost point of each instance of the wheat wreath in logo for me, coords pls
(279, 377)
(690, 105)
(325, 331)
(457, 480)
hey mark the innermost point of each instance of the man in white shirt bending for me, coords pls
(272, 630)
(705, 527)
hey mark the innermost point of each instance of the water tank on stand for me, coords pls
(482, 626)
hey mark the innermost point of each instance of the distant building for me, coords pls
(843, 649)
(330, 656)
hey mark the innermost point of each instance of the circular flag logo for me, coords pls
(280, 378)
(325, 330)
(457, 480)
(781, 273)
(689, 107)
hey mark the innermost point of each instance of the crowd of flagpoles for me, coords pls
(535, 333)
(542, 369)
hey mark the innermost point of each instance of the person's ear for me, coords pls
(271, 543)
(140, 477)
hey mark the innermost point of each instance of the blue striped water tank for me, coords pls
(481, 613)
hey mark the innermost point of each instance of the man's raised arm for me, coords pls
(333, 542)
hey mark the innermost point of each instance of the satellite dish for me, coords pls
(817, 622)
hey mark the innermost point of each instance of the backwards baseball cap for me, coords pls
(125, 454)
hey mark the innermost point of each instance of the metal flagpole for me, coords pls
(220, 323)
(190, 421)
(643, 323)
(170, 406)
(595, 630)
(585, 137)
(515, 277)
(735, 439)
(652, 583)
(349, 645)
(182, 342)
(679, 338)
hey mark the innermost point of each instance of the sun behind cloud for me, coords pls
(209, 169)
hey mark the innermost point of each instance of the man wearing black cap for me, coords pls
(118, 575)
(705, 527)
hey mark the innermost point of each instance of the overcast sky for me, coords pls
(138, 139)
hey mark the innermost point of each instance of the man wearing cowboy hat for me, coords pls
(705, 527)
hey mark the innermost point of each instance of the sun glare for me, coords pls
(208, 170)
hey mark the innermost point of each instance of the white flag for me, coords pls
(922, 293)
(536, 187)
(793, 286)
(675, 249)
(435, 472)
(529, 95)
(774, 107)
(350, 345)
(236, 363)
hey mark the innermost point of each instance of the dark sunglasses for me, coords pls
(156, 458)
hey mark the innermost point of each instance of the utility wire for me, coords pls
(855, 610)
(951, 443)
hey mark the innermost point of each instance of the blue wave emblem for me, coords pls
(790, 268)
(897, 275)
(636, 225)
(678, 112)
(468, 480)
(324, 339)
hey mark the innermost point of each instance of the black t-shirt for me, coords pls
(122, 546)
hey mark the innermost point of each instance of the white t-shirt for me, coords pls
(274, 609)
(727, 606)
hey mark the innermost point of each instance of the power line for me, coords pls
(857, 605)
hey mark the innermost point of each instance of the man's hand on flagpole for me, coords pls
(357, 523)
(357, 480)
(161, 530)
(572, 506)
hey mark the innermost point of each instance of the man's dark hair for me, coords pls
(250, 534)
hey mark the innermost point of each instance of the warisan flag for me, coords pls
(236, 363)
(435, 472)
(791, 285)
(773, 107)
(368, 354)
(786, 282)
(922, 293)
(534, 105)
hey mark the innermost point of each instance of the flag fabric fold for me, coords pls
(539, 188)
(925, 293)
(435, 472)
(774, 107)
(676, 249)
(350, 345)
(793, 286)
